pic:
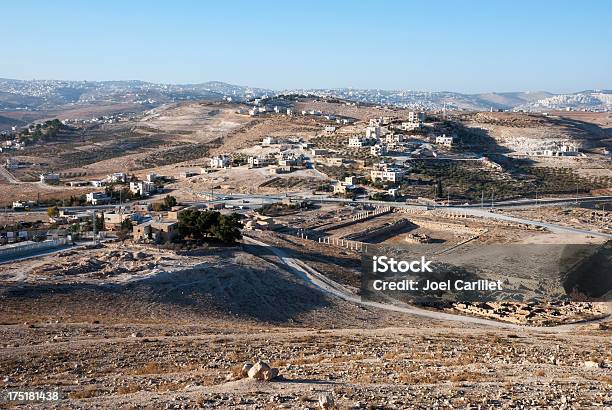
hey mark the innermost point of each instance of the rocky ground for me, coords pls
(173, 330)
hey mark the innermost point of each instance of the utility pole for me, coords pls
(576, 194)
(482, 199)
(93, 216)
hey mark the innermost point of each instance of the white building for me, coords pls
(444, 140)
(387, 173)
(373, 132)
(143, 188)
(394, 138)
(330, 129)
(351, 180)
(220, 161)
(269, 141)
(98, 183)
(97, 198)
(50, 179)
(256, 162)
(117, 177)
(416, 117)
(378, 150)
(358, 142)
(151, 177)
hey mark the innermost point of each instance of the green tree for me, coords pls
(52, 211)
(228, 228)
(199, 225)
(169, 201)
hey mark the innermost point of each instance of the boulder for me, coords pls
(244, 372)
(589, 364)
(261, 371)
(257, 370)
(270, 374)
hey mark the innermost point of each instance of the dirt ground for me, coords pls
(125, 326)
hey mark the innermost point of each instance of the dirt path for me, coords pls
(335, 289)
(8, 176)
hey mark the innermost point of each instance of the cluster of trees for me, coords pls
(277, 208)
(204, 225)
(168, 202)
(120, 193)
(46, 131)
(381, 196)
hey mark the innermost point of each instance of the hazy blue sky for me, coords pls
(466, 46)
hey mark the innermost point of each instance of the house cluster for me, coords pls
(281, 155)
(384, 134)
(141, 188)
(342, 120)
(12, 145)
(65, 216)
(279, 162)
(104, 119)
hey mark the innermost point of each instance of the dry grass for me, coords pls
(85, 393)
(130, 388)
(171, 386)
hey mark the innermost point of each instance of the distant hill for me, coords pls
(585, 100)
(54, 94)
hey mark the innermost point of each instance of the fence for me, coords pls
(20, 250)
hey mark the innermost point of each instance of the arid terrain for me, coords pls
(137, 321)
(123, 326)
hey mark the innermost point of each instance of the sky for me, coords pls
(470, 46)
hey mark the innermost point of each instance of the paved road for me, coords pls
(335, 289)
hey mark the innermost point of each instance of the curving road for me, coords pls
(335, 289)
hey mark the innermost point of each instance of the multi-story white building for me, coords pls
(394, 138)
(220, 161)
(143, 188)
(387, 173)
(373, 132)
(416, 117)
(359, 142)
(97, 198)
(378, 150)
